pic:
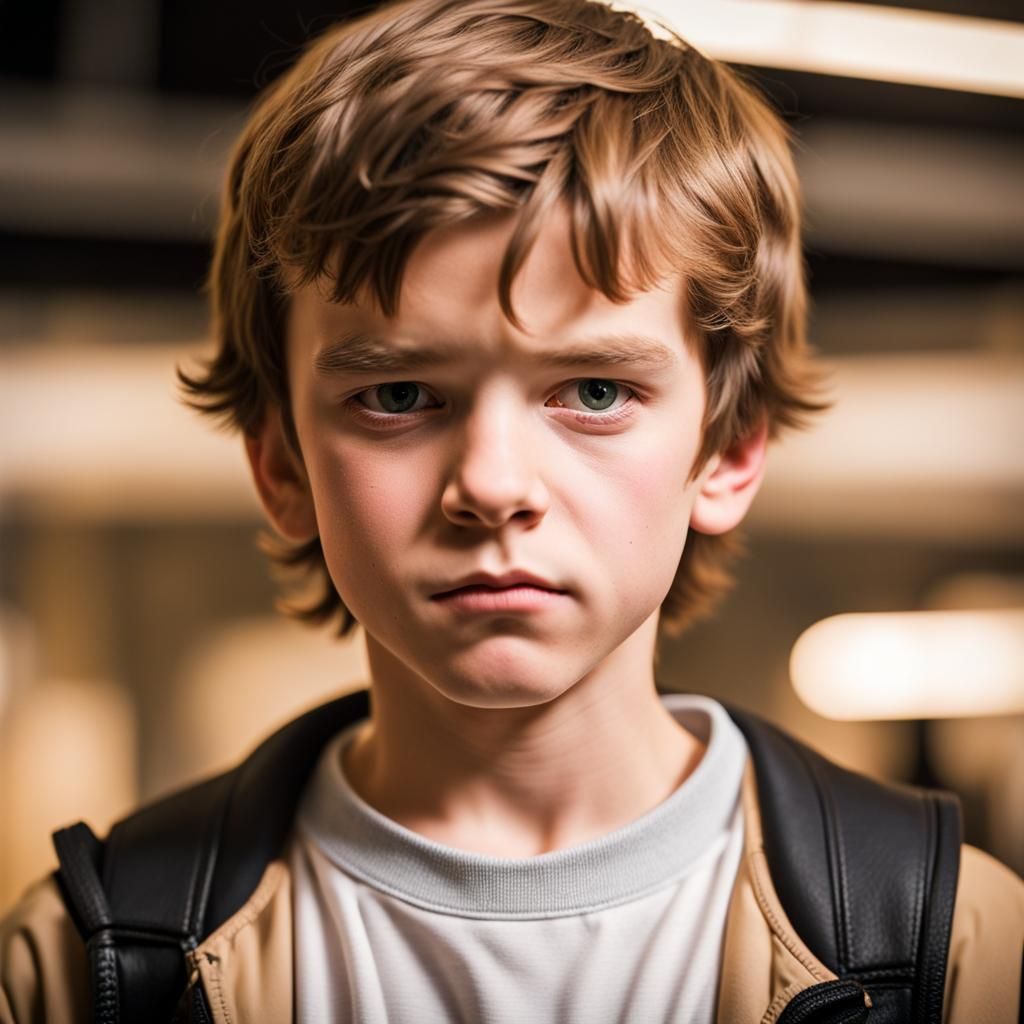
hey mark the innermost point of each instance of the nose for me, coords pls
(494, 474)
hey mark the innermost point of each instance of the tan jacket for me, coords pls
(245, 967)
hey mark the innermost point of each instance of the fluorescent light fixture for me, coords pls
(943, 51)
(101, 431)
(934, 664)
(922, 445)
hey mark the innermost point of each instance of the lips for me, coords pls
(515, 577)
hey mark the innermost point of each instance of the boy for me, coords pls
(509, 302)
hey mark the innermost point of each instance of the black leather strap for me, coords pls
(80, 855)
(866, 871)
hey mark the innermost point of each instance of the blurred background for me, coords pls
(139, 648)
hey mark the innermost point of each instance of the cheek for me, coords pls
(637, 509)
(368, 505)
(642, 495)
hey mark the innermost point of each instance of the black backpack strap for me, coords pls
(866, 872)
(173, 871)
(137, 898)
(79, 853)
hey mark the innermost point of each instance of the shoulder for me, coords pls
(983, 978)
(43, 967)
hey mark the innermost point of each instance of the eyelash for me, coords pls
(625, 410)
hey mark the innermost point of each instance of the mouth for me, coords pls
(517, 597)
(484, 588)
(486, 583)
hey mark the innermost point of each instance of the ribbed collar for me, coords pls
(657, 848)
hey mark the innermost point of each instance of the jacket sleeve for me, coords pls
(983, 975)
(43, 966)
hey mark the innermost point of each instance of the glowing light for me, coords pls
(101, 430)
(854, 40)
(920, 445)
(935, 664)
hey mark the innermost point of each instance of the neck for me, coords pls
(521, 781)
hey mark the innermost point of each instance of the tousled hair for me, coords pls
(428, 113)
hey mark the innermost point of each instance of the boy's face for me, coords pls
(492, 460)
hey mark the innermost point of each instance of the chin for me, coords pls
(489, 686)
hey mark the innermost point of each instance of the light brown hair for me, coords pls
(431, 112)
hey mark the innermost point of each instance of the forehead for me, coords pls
(449, 309)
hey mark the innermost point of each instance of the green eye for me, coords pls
(597, 394)
(399, 397)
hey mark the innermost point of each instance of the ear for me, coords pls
(280, 478)
(730, 481)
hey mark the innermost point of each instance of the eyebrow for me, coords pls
(360, 352)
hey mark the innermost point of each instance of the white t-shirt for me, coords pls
(393, 927)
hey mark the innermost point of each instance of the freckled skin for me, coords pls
(544, 725)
